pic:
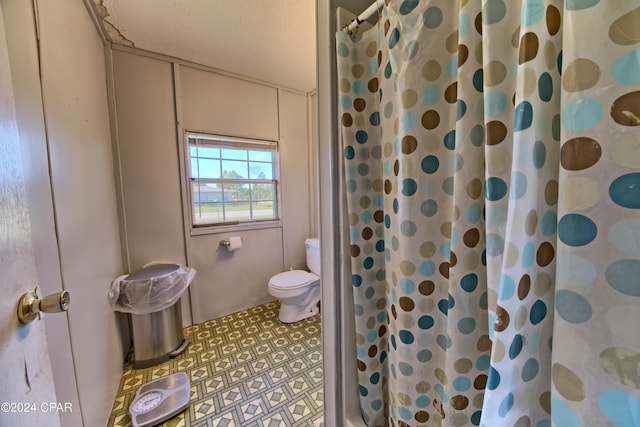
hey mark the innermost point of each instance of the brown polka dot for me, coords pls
(431, 70)
(362, 366)
(545, 254)
(355, 250)
(459, 402)
(523, 421)
(462, 366)
(474, 188)
(515, 38)
(345, 85)
(453, 259)
(444, 269)
(359, 104)
(545, 401)
(426, 287)
(551, 192)
(365, 202)
(452, 42)
(396, 168)
(484, 343)
(463, 54)
(625, 30)
(430, 119)
(382, 330)
(580, 153)
(406, 303)
(381, 303)
(373, 85)
(357, 70)
(347, 120)
(568, 384)
(471, 237)
(554, 19)
(409, 144)
(528, 48)
(580, 74)
(478, 23)
(441, 376)
(423, 387)
(480, 382)
(626, 109)
(372, 49)
(378, 216)
(495, 132)
(524, 286)
(387, 186)
(494, 73)
(502, 319)
(451, 93)
(367, 233)
(394, 313)
(531, 223)
(373, 350)
(387, 25)
(379, 58)
(422, 416)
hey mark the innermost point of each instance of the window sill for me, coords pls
(218, 229)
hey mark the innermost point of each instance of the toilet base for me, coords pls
(291, 313)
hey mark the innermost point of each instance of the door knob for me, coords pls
(30, 305)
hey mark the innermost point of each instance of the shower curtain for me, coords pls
(492, 176)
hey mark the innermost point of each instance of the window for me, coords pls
(232, 180)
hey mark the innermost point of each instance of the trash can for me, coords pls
(151, 296)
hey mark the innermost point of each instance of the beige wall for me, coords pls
(157, 99)
(64, 128)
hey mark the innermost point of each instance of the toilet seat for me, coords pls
(290, 280)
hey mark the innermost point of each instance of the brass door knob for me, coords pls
(30, 305)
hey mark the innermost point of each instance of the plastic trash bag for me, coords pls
(153, 288)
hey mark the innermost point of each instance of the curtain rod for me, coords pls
(364, 16)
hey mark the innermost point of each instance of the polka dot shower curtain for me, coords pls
(492, 174)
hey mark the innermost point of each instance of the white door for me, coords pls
(27, 394)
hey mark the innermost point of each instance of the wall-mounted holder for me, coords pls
(30, 305)
(232, 243)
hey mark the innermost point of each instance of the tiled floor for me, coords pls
(247, 369)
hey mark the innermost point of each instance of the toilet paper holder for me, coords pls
(232, 243)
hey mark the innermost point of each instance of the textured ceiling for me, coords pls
(270, 40)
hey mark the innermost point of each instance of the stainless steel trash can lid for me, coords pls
(152, 271)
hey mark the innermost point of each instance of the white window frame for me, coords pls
(220, 141)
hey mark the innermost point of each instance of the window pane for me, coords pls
(234, 170)
(237, 211)
(234, 154)
(263, 210)
(236, 192)
(209, 152)
(261, 156)
(261, 192)
(206, 168)
(260, 170)
(207, 203)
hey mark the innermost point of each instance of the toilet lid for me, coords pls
(292, 279)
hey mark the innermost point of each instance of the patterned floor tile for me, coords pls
(246, 369)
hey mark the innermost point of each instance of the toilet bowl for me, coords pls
(299, 290)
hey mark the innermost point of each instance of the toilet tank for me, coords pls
(313, 255)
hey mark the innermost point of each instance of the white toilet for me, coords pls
(298, 290)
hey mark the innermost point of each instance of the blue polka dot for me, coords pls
(427, 268)
(624, 276)
(478, 80)
(407, 6)
(423, 402)
(425, 322)
(443, 306)
(374, 119)
(405, 413)
(625, 191)
(530, 369)
(349, 153)
(410, 50)
(464, 23)
(461, 109)
(493, 11)
(343, 50)
(523, 116)
(362, 136)
(538, 312)
(450, 140)
(358, 87)
(372, 66)
(408, 228)
(528, 254)
(452, 67)
(576, 230)
(518, 185)
(467, 325)
(388, 109)
(369, 293)
(431, 95)
(572, 307)
(375, 378)
(394, 37)
(439, 389)
(495, 245)
(549, 223)
(408, 121)
(581, 114)
(448, 186)
(495, 189)
(359, 310)
(494, 379)
(356, 280)
(626, 69)
(461, 384)
(363, 390)
(368, 263)
(516, 346)
(473, 213)
(506, 405)
(622, 408)
(495, 102)
(432, 17)
(580, 4)
(405, 369)
(562, 415)
(407, 285)
(507, 288)
(430, 164)
(363, 169)
(469, 282)
(539, 154)
(406, 336)
(575, 271)
(409, 187)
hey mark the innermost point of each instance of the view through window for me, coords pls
(233, 180)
